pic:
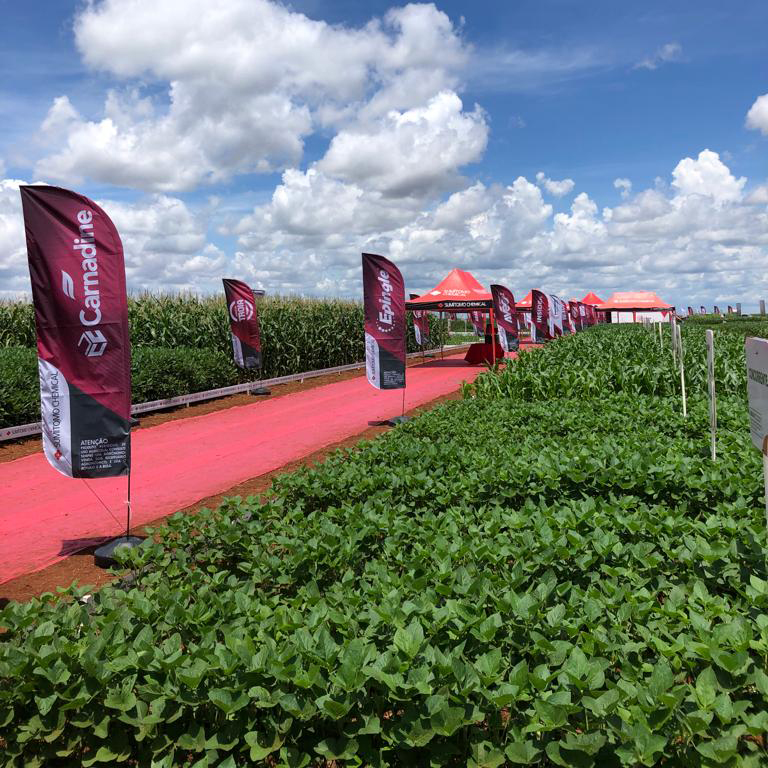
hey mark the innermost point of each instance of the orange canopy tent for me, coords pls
(458, 292)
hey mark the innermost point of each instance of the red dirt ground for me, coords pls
(80, 567)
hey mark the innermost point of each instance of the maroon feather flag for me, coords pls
(384, 303)
(573, 316)
(540, 325)
(506, 318)
(83, 345)
(477, 318)
(243, 323)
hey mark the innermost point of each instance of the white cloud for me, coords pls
(678, 238)
(758, 196)
(502, 68)
(555, 188)
(410, 153)
(666, 53)
(14, 276)
(247, 81)
(202, 92)
(133, 146)
(625, 185)
(709, 176)
(165, 244)
(697, 240)
(757, 117)
(312, 206)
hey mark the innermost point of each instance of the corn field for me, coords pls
(297, 334)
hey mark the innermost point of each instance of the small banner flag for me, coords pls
(506, 318)
(573, 314)
(243, 323)
(717, 310)
(477, 318)
(730, 309)
(690, 311)
(384, 303)
(541, 328)
(420, 323)
(703, 310)
(582, 309)
(83, 345)
(556, 315)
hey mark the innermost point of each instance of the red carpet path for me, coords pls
(45, 516)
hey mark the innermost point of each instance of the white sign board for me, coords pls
(757, 389)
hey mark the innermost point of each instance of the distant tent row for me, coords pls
(460, 291)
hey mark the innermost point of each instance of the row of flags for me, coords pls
(716, 310)
(385, 320)
(552, 317)
(77, 271)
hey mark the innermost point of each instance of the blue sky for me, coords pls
(418, 131)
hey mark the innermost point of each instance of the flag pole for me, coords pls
(104, 556)
(493, 336)
(128, 504)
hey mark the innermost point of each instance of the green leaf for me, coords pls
(706, 688)
(522, 753)
(224, 700)
(409, 639)
(263, 744)
(120, 699)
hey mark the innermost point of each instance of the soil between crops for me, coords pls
(80, 567)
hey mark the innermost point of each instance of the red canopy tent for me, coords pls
(634, 302)
(592, 298)
(461, 292)
(525, 302)
(458, 292)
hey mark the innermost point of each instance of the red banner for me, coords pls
(83, 345)
(556, 315)
(541, 328)
(690, 311)
(420, 323)
(573, 316)
(477, 318)
(384, 303)
(506, 318)
(243, 323)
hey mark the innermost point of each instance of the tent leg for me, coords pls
(493, 337)
(441, 335)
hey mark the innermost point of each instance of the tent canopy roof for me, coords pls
(457, 292)
(592, 298)
(629, 300)
(525, 302)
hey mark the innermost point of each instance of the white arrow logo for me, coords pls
(67, 284)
